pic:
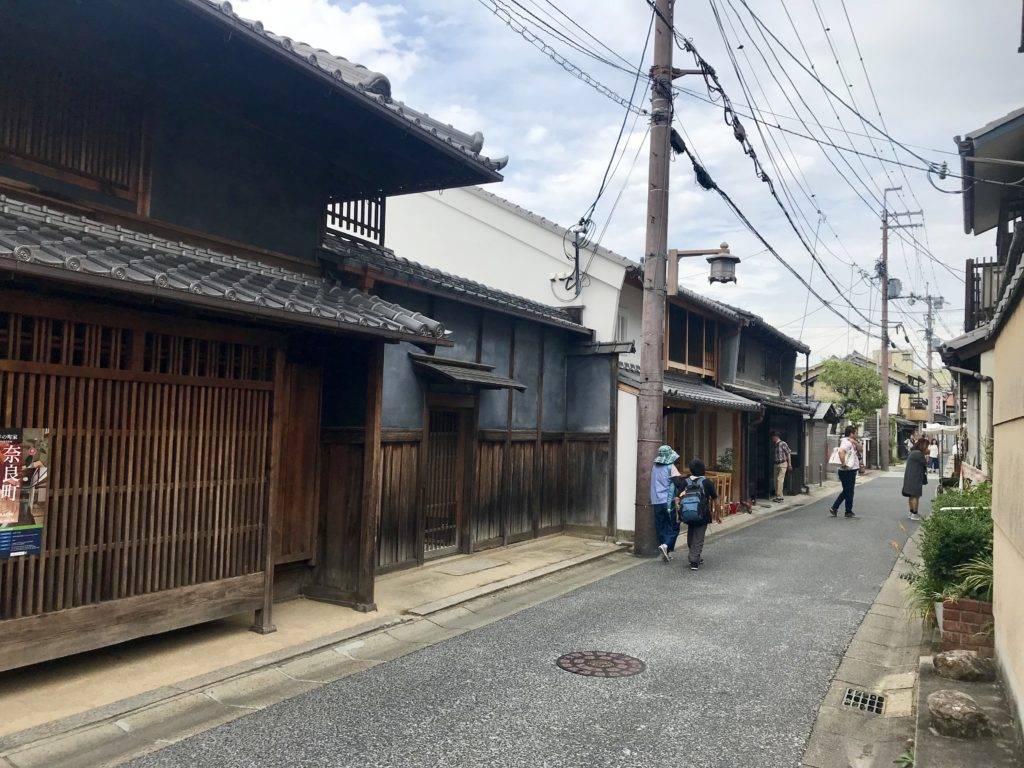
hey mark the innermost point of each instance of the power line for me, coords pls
(817, 121)
(705, 180)
(573, 69)
(740, 134)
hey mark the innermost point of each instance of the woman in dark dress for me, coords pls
(915, 477)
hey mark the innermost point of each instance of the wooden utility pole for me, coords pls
(883, 357)
(652, 346)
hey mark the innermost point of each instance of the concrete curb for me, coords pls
(56, 728)
(426, 609)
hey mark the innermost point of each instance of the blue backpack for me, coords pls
(693, 504)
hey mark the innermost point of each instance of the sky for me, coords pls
(937, 69)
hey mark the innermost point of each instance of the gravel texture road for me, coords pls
(738, 656)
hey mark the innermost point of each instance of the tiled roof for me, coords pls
(715, 307)
(691, 389)
(460, 372)
(763, 325)
(372, 85)
(536, 218)
(382, 259)
(44, 242)
(777, 401)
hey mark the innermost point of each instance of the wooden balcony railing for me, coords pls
(982, 291)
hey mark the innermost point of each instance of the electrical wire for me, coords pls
(708, 183)
(523, 30)
(715, 85)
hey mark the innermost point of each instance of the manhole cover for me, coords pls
(600, 664)
(864, 701)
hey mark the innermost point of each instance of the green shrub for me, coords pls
(979, 495)
(951, 538)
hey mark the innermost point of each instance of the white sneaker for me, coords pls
(664, 552)
(913, 516)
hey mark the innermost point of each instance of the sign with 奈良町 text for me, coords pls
(24, 490)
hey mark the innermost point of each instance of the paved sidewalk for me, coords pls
(881, 659)
(106, 682)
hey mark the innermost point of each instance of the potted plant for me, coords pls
(956, 542)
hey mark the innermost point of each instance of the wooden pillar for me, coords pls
(263, 620)
(372, 458)
(538, 445)
(613, 440)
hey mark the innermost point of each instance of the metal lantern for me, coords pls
(723, 266)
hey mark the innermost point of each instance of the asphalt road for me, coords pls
(738, 654)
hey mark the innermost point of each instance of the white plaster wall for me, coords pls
(631, 307)
(625, 456)
(473, 236)
(894, 398)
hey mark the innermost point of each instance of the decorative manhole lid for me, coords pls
(600, 664)
(873, 703)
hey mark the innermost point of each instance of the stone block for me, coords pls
(957, 714)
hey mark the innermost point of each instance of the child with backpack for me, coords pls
(694, 509)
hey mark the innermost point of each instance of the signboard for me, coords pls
(938, 402)
(24, 490)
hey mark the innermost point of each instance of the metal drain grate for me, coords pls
(874, 703)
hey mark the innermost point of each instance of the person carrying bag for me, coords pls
(847, 456)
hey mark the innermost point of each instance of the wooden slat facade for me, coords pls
(159, 482)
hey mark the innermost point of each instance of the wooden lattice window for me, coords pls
(363, 218)
(158, 475)
(206, 358)
(68, 126)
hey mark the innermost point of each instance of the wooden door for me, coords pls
(443, 482)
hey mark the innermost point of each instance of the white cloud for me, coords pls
(365, 34)
(462, 64)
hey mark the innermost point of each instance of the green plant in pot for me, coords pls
(956, 544)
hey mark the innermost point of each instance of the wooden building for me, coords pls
(702, 418)
(207, 386)
(504, 436)
(759, 365)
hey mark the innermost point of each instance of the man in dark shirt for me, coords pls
(782, 458)
(695, 532)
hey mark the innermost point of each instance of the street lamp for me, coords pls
(723, 266)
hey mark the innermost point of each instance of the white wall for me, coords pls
(472, 235)
(631, 307)
(625, 452)
(894, 399)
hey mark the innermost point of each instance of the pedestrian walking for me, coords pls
(933, 455)
(662, 497)
(695, 504)
(782, 458)
(915, 477)
(847, 456)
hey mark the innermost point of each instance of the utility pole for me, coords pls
(652, 347)
(883, 356)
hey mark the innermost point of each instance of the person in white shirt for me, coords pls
(933, 455)
(849, 466)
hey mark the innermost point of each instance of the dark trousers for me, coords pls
(695, 542)
(666, 524)
(848, 477)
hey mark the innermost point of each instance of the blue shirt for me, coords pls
(662, 489)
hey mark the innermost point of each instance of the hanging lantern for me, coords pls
(723, 266)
